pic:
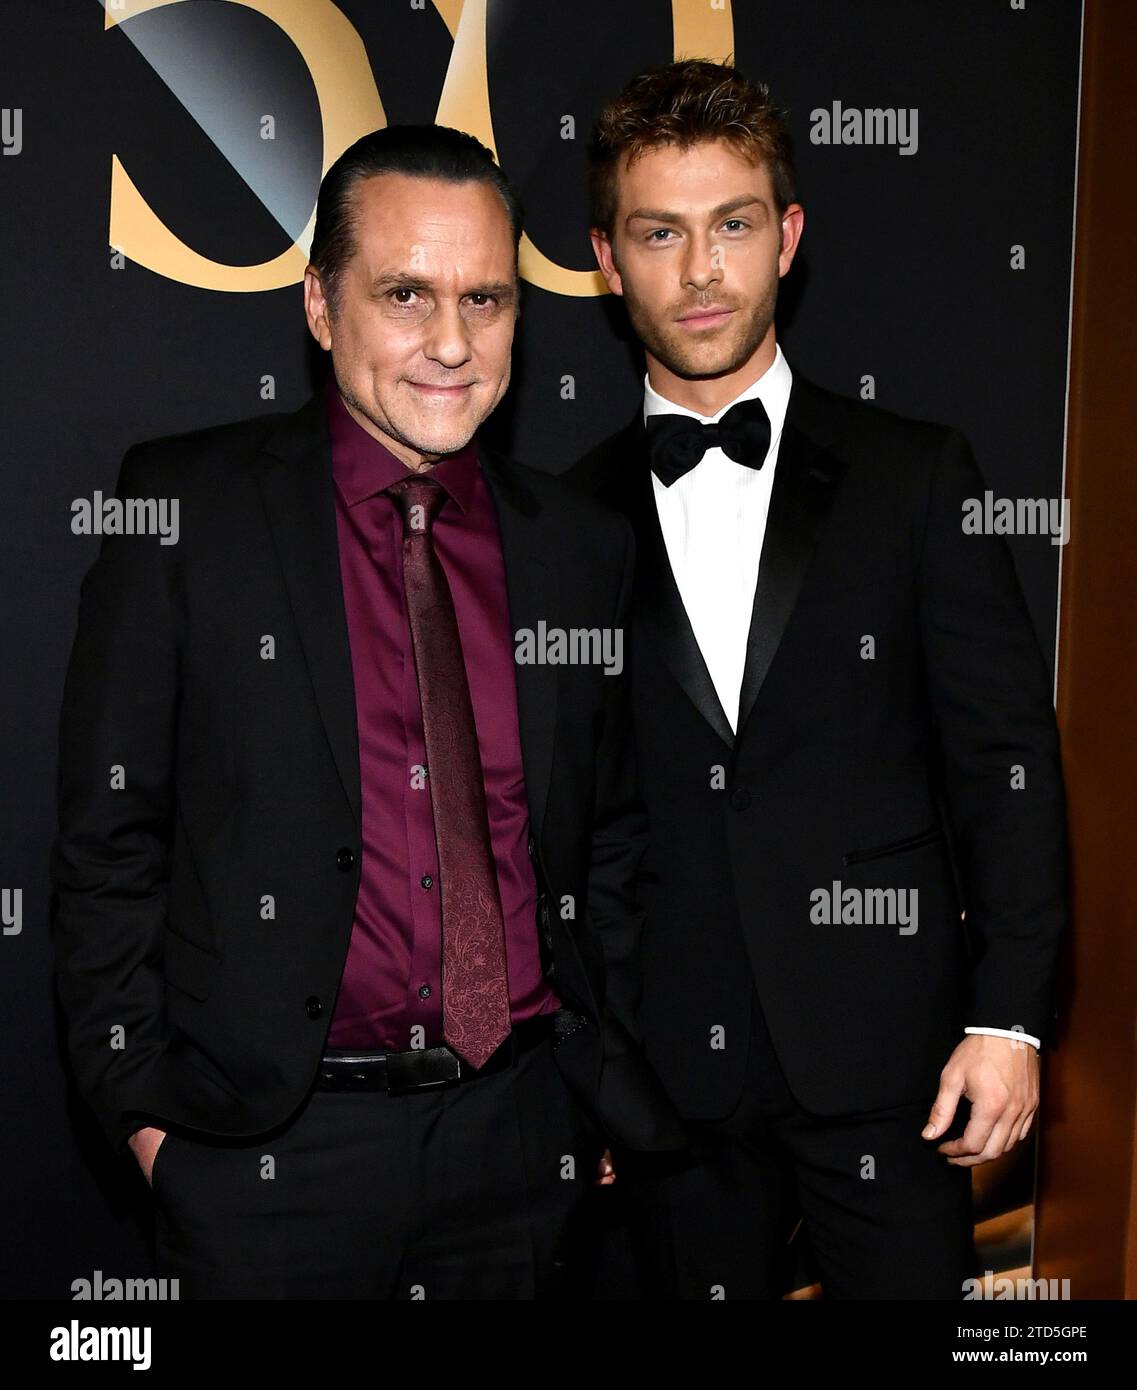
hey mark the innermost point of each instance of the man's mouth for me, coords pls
(447, 392)
(710, 317)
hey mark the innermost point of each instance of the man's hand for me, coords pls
(144, 1145)
(999, 1076)
(607, 1173)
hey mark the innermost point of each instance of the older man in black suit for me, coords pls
(344, 888)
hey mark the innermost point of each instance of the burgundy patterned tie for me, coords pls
(475, 988)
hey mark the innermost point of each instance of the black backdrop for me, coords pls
(905, 276)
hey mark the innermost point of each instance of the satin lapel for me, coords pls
(805, 482)
(295, 480)
(534, 598)
(658, 607)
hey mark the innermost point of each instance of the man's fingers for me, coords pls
(943, 1107)
(1003, 1094)
(1022, 1128)
(991, 1148)
(1016, 1133)
(984, 1118)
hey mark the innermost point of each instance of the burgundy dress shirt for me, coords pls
(390, 995)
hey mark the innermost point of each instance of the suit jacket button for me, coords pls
(312, 1007)
(344, 859)
(740, 798)
(531, 847)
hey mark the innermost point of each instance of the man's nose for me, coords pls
(447, 340)
(702, 267)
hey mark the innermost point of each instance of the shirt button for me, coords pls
(740, 798)
(427, 881)
(424, 991)
(344, 859)
(312, 1007)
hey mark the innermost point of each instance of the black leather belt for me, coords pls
(425, 1068)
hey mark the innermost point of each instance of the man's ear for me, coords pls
(793, 224)
(316, 308)
(606, 260)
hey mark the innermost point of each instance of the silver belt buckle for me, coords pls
(410, 1071)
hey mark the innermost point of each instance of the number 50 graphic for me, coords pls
(350, 106)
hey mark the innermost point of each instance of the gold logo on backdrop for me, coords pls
(350, 106)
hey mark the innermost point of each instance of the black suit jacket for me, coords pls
(883, 765)
(240, 778)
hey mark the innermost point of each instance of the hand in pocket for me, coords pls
(144, 1145)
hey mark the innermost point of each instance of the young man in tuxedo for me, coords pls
(336, 876)
(842, 715)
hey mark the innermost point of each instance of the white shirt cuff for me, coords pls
(1014, 1033)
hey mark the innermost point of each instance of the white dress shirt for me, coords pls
(713, 521)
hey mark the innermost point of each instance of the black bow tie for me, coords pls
(676, 443)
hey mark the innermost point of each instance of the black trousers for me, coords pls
(475, 1191)
(886, 1215)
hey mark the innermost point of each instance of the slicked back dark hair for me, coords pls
(421, 151)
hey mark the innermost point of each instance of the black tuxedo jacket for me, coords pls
(240, 778)
(889, 764)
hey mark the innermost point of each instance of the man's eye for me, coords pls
(658, 233)
(481, 300)
(732, 223)
(402, 290)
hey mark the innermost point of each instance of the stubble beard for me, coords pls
(691, 360)
(415, 443)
